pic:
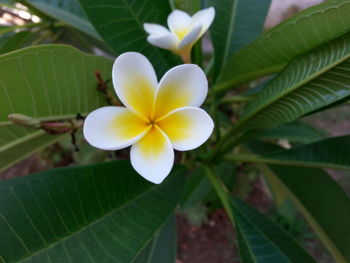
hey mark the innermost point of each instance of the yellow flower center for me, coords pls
(181, 33)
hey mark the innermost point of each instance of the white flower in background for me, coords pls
(157, 117)
(183, 32)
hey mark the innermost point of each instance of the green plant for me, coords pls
(51, 79)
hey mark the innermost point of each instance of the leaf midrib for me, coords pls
(226, 81)
(273, 159)
(20, 140)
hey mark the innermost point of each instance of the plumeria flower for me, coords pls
(157, 117)
(183, 32)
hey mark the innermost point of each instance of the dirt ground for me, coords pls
(212, 242)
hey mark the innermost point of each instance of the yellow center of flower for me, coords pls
(182, 32)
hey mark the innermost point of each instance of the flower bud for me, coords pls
(24, 120)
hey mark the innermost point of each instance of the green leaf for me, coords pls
(276, 48)
(189, 6)
(69, 12)
(319, 198)
(52, 82)
(323, 203)
(295, 133)
(120, 23)
(310, 82)
(18, 143)
(100, 213)
(162, 249)
(16, 41)
(237, 23)
(261, 240)
(329, 153)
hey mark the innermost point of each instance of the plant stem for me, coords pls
(230, 140)
(198, 53)
(217, 151)
(185, 54)
(221, 191)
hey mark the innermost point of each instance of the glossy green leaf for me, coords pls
(276, 48)
(69, 12)
(120, 23)
(51, 82)
(329, 153)
(162, 249)
(237, 23)
(262, 241)
(100, 213)
(321, 200)
(310, 82)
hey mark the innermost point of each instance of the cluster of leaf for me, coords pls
(106, 212)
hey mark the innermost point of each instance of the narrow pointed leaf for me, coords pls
(237, 23)
(312, 81)
(120, 23)
(276, 48)
(324, 204)
(261, 240)
(100, 213)
(321, 200)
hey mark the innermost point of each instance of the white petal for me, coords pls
(178, 21)
(204, 18)
(191, 37)
(113, 128)
(153, 156)
(168, 41)
(135, 82)
(182, 86)
(155, 29)
(187, 128)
